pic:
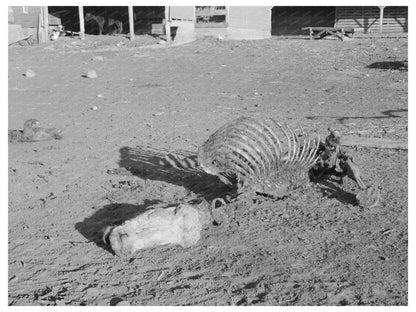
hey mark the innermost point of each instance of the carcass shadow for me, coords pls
(331, 189)
(389, 65)
(93, 227)
(329, 186)
(150, 163)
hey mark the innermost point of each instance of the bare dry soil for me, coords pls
(317, 247)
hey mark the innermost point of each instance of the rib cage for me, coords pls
(255, 150)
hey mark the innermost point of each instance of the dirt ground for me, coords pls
(313, 248)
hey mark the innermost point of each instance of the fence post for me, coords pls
(167, 24)
(381, 18)
(45, 17)
(131, 23)
(81, 22)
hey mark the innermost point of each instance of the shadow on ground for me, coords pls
(151, 164)
(93, 227)
(392, 65)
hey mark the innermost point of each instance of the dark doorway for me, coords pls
(288, 21)
(149, 20)
(67, 15)
(110, 14)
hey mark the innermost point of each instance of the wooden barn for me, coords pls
(185, 23)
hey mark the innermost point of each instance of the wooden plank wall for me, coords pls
(26, 20)
(367, 19)
(395, 19)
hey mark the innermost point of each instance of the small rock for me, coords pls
(94, 108)
(93, 292)
(123, 303)
(100, 96)
(60, 303)
(91, 74)
(98, 58)
(102, 302)
(30, 73)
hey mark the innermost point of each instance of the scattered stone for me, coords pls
(30, 73)
(98, 58)
(81, 287)
(119, 289)
(91, 74)
(94, 108)
(115, 301)
(32, 132)
(100, 96)
(93, 292)
(102, 302)
(60, 303)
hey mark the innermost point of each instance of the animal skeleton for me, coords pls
(268, 157)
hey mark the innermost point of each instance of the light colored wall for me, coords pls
(182, 12)
(250, 17)
(29, 20)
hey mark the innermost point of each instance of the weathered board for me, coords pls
(373, 142)
(395, 19)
